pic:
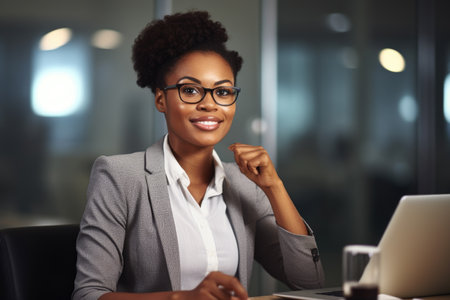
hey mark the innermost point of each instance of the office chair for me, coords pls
(38, 262)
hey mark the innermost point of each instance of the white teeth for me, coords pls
(207, 122)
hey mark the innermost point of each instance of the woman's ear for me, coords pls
(160, 100)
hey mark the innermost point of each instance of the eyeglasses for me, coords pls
(192, 93)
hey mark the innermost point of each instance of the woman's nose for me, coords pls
(207, 103)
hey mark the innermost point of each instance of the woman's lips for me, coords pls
(206, 123)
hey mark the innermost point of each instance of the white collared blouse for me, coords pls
(206, 239)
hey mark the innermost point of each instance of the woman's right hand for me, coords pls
(217, 285)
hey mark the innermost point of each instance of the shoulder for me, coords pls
(118, 174)
(120, 164)
(132, 163)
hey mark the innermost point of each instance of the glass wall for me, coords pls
(67, 95)
(351, 121)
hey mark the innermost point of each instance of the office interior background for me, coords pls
(350, 97)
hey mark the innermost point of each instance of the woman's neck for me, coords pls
(198, 165)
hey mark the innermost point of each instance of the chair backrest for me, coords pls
(38, 262)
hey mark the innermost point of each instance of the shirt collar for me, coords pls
(175, 172)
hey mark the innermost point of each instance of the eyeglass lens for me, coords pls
(194, 93)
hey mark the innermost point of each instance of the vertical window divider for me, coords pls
(426, 91)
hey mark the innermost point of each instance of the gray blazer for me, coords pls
(127, 240)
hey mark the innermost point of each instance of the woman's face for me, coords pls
(200, 125)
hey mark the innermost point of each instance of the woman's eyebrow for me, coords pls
(190, 78)
(199, 82)
(223, 81)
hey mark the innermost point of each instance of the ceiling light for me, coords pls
(55, 39)
(392, 60)
(106, 39)
(338, 22)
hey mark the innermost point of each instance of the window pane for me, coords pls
(346, 119)
(65, 99)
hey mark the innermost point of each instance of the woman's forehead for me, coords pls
(205, 67)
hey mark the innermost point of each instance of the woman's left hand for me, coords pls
(255, 163)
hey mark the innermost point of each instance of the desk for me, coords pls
(443, 297)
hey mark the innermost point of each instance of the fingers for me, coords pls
(222, 286)
(250, 159)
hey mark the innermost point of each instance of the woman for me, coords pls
(174, 221)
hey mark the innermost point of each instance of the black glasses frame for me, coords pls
(211, 91)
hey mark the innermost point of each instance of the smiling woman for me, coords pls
(175, 221)
(197, 123)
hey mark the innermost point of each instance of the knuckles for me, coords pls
(234, 281)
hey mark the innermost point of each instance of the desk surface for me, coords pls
(443, 297)
(265, 298)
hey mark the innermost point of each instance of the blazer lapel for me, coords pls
(160, 202)
(234, 211)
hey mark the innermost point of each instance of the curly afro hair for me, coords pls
(163, 42)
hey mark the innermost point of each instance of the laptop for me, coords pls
(415, 252)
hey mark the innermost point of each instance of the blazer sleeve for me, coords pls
(102, 233)
(292, 259)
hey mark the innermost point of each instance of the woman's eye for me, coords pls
(223, 92)
(190, 90)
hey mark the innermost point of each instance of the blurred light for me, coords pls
(106, 39)
(407, 108)
(447, 98)
(60, 82)
(392, 60)
(57, 92)
(259, 126)
(349, 58)
(338, 22)
(55, 39)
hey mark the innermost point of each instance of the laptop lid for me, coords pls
(415, 248)
(415, 252)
